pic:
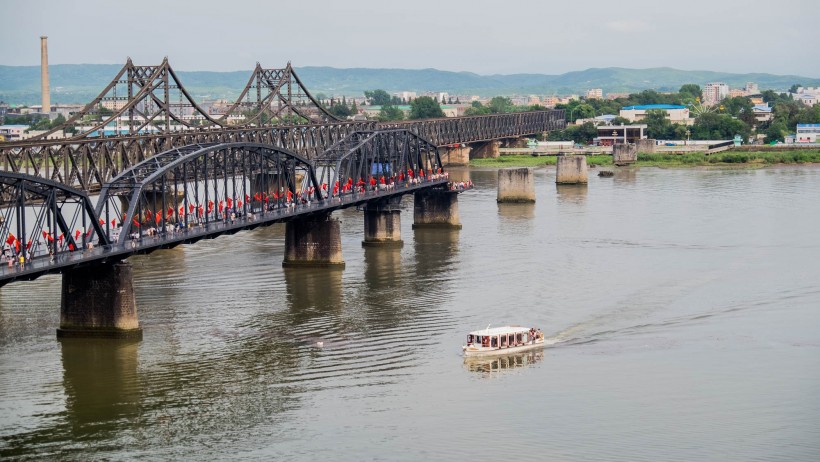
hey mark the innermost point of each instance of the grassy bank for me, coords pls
(668, 160)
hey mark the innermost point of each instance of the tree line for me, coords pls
(732, 116)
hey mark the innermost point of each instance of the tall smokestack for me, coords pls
(44, 74)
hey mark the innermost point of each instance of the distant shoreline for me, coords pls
(752, 159)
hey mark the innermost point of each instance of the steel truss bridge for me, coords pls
(202, 191)
(154, 113)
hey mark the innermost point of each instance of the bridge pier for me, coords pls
(456, 156)
(382, 224)
(516, 185)
(436, 209)
(571, 170)
(625, 154)
(98, 301)
(486, 150)
(313, 241)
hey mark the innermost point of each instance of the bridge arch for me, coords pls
(42, 218)
(382, 156)
(202, 183)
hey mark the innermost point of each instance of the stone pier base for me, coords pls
(98, 301)
(485, 150)
(313, 241)
(571, 170)
(459, 156)
(647, 145)
(624, 154)
(516, 185)
(382, 225)
(436, 209)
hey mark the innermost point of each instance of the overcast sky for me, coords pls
(486, 37)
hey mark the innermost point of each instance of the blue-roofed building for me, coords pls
(676, 114)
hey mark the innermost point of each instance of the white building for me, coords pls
(676, 114)
(713, 93)
(595, 93)
(807, 95)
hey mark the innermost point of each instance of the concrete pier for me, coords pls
(313, 241)
(456, 156)
(647, 145)
(485, 150)
(436, 209)
(382, 225)
(571, 170)
(98, 301)
(516, 185)
(624, 154)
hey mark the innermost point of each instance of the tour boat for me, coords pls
(503, 340)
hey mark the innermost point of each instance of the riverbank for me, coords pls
(750, 158)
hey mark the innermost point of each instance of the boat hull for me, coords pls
(474, 350)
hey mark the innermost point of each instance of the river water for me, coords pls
(682, 309)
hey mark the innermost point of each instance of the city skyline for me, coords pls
(481, 37)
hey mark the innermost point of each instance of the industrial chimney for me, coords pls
(44, 75)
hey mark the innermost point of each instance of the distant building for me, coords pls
(806, 133)
(751, 88)
(807, 95)
(676, 114)
(595, 93)
(763, 112)
(551, 101)
(12, 132)
(713, 93)
(405, 95)
(619, 134)
(617, 95)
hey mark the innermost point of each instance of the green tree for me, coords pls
(713, 126)
(390, 112)
(476, 108)
(690, 91)
(377, 97)
(793, 88)
(425, 107)
(657, 124)
(500, 104)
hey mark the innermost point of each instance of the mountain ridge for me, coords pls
(80, 83)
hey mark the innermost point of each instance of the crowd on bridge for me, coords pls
(228, 211)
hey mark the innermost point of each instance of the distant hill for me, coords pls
(80, 83)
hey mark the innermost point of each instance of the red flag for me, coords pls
(77, 234)
(238, 204)
(230, 201)
(158, 217)
(88, 234)
(61, 237)
(17, 245)
(70, 246)
(113, 222)
(136, 223)
(191, 208)
(221, 207)
(182, 210)
(170, 212)
(102, 222)
(28, 244)
(124, 217)
(10, 240)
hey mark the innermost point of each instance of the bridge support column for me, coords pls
(458, 156)
(382, 224)
(571, 170)
(647, 145)
(488, 150)
(624, 154)
(436, 209)
(98, 301)
(516, 185)
(313, 241)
